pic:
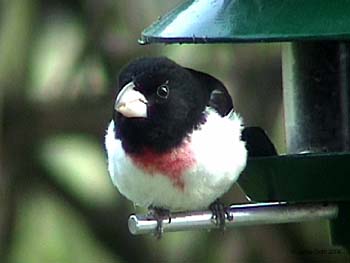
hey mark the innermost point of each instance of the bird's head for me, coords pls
(157, 104)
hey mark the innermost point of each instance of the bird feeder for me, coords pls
(316, 89)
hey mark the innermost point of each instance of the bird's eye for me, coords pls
(163, 91)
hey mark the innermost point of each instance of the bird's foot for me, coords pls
(159, 214)
(220, 214)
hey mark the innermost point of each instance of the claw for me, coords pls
(159, 214)
(220, 214)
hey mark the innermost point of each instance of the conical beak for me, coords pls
(131, 103)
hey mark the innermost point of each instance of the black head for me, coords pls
(175, 104)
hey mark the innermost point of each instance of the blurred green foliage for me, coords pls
(47, 230)
(54, 57)
(58, 66)
(69, 159)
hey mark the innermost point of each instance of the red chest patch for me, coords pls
(172, 164)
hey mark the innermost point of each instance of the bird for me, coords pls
(175, 141)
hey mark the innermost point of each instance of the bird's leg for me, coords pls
(159, 214)
(220, 213)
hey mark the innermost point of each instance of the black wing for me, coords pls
(220, 99)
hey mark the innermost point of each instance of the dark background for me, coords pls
(59, 62)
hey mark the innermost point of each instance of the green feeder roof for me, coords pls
(215, 21)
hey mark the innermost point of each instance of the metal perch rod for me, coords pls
(243, 215)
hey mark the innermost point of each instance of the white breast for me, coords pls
(220, 156)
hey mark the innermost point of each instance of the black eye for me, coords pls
(163, 91)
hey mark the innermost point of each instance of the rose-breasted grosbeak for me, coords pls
(174, 142)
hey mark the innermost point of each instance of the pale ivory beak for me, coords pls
(131, 103)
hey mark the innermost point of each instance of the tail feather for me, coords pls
(258, 143)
